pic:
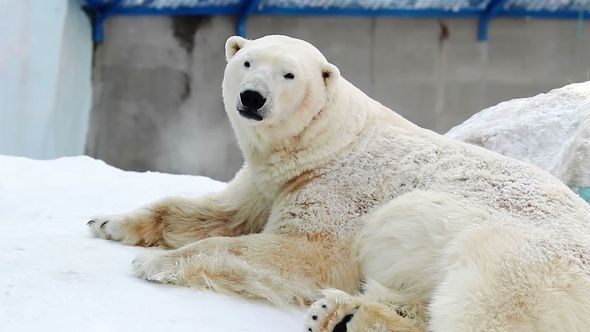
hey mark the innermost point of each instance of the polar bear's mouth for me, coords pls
(250, 114)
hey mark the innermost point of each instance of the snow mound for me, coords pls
(550, 130)
(55, 277)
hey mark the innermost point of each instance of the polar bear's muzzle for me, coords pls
(251, 105)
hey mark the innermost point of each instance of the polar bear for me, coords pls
(338, 189)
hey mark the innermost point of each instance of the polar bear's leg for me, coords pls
(398, 249)
(176, 221)
(402, 242)
(279, 268)
(498, 280)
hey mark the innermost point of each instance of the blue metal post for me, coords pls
(248, 7)
(101, 12)
(492, 9)
(98, 27)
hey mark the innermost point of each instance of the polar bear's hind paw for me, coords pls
(330, 314)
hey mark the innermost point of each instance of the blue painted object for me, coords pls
(484, 19)
(585, 193)
(484, 10)
(248, 8)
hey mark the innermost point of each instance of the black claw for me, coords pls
(314, 317)
(103, 224)
(341, 327)
(90, 222)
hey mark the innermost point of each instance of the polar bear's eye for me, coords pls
(289, 76)
(247, 64)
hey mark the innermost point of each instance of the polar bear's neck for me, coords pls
(336, 128)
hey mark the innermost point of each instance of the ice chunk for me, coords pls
(550, 130)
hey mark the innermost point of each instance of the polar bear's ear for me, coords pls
(233, 45)
(330, 73)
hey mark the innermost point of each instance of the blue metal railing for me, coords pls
(484, 10)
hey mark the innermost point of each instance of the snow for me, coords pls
(549, 130)
(55, 277)
(454, 5)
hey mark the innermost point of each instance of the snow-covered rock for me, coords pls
(550, 130)
(54, 276)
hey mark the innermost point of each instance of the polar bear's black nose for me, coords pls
(252, 99)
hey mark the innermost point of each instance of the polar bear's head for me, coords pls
(275, 80)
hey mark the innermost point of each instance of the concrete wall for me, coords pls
(157, 95)
(45, 66)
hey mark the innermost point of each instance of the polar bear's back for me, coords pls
(497, 183)
(387, 162)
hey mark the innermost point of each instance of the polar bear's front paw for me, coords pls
(330, 314)
(164, 267)
(107, 227)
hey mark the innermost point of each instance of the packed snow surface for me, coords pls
(550, 130)
(55, 277)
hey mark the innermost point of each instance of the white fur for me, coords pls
(482, 241)
(477, 269)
